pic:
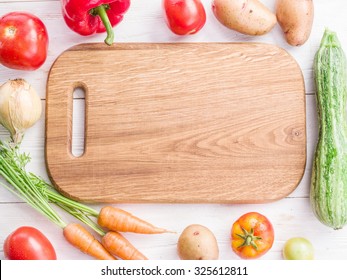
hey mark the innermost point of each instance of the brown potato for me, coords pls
(295, 18)
(249, 17)
(197, 242)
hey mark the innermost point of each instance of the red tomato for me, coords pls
(252, 235)
(28, 243)
(184, 16)
(23, 41)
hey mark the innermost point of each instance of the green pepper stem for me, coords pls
(101, 12)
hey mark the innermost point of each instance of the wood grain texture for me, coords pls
(191, 122)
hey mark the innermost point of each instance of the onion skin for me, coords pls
(20, 107)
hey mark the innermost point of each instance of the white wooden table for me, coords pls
(291, 216)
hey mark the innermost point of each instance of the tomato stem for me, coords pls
(248, 238)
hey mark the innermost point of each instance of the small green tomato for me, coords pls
(298, 248)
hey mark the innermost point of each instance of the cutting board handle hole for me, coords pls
(78, 121)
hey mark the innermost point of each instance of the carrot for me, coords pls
(39, 194)
(119, 246)
(80, 238)
(116, 219)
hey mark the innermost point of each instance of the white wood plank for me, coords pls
(145, 23)
(294, 219)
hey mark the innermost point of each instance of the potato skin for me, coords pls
(197, 242)
(249, 17)
(295, 18)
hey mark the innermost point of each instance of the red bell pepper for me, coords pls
(87, 17)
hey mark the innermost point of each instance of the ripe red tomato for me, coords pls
(252, 235)
(184, 17)
(23, 41)
(28, 243)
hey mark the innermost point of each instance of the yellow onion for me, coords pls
(20, 107)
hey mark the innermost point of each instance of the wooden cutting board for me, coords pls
(178, 123)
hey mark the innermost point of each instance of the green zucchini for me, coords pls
(328, 191)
